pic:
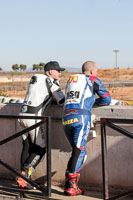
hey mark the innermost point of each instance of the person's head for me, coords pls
(90, 68)
(53, 70)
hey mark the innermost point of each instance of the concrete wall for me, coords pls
(120, 148)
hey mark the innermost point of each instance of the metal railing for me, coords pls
(47, 119)
(47, 192)
(112, 124)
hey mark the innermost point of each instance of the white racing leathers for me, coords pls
(41, 90)
(79, 99)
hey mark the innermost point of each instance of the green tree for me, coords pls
(42, 64)
(15, 67)
(36, 67)
(22, 67)
(1, 69)
(40, 68)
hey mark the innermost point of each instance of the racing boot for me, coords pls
(71, 185)
(27, 173)
(67, 176)
(30, 165)
(21, 182)
(78, 176)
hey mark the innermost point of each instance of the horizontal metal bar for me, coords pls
(27, 117)
(21, 117)
(119, 129)
(124, 121)
(21, 133)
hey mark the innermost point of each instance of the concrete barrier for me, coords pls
(120, 148)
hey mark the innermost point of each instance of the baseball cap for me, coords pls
(53, 65)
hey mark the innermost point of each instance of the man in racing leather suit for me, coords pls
(42, 89)
(79, 100)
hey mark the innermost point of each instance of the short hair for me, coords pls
(88, 65)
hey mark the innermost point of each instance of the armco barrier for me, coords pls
(45, 192)
(112, 124)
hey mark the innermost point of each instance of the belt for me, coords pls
(30, 109)
(77, 112)
(34, 110)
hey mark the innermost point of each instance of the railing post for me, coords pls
(104, 161)
(48, 135)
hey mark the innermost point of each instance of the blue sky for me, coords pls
(68, 31)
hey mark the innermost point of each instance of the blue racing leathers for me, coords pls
(79, 100)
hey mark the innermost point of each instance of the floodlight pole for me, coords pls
(116, 67)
